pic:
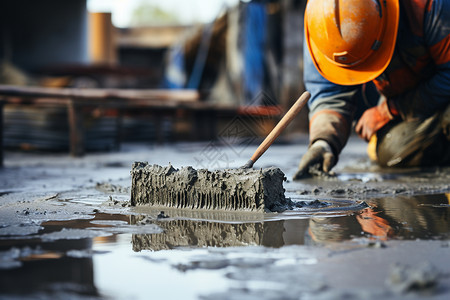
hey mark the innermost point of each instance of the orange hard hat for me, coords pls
(351, 41)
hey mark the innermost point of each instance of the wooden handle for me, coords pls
(284, 122)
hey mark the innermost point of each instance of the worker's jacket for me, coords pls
(417, 78)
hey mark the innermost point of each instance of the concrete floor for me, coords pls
(67, 230)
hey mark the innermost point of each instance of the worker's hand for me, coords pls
(319, 156)
(372, 120)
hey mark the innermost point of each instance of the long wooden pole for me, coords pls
(284, 122)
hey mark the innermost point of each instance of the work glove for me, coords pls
(319, 158)
(374, 119)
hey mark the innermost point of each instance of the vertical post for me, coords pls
(119, 126)
(2, 127)
(102, 39)
(76, 129)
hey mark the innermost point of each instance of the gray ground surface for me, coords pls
(65, 216)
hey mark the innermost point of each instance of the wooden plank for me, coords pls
(184, 95)
(15, 100)
(123, 103)
(118, 98)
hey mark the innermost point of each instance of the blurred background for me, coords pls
(237, 55)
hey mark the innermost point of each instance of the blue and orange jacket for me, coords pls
(417, 79)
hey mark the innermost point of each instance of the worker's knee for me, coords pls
(446, 122)
(415, 143)
(391, 142)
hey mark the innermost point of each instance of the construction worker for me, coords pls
(386, 65)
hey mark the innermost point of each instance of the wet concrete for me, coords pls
(231, 189)
(68, 230)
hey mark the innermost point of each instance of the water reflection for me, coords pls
(77, 267)
(52, 269)
(419, 217)
(188, 233)
(48, 271)
(400, 217)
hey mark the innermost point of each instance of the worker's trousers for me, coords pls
(415, 143)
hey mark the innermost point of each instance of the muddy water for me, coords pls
(82, 258)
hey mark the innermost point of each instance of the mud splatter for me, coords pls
(418, 278)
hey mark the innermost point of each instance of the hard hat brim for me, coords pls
(367, 70)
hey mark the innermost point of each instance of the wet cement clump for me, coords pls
(232, 189)
(420, 278)
(112, 188)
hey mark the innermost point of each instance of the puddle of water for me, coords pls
(419, 217)
(86, 265)
(101, 267)
(366, 177)
(152, 274)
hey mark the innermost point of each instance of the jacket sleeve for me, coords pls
(433, 94)
(331, 106)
